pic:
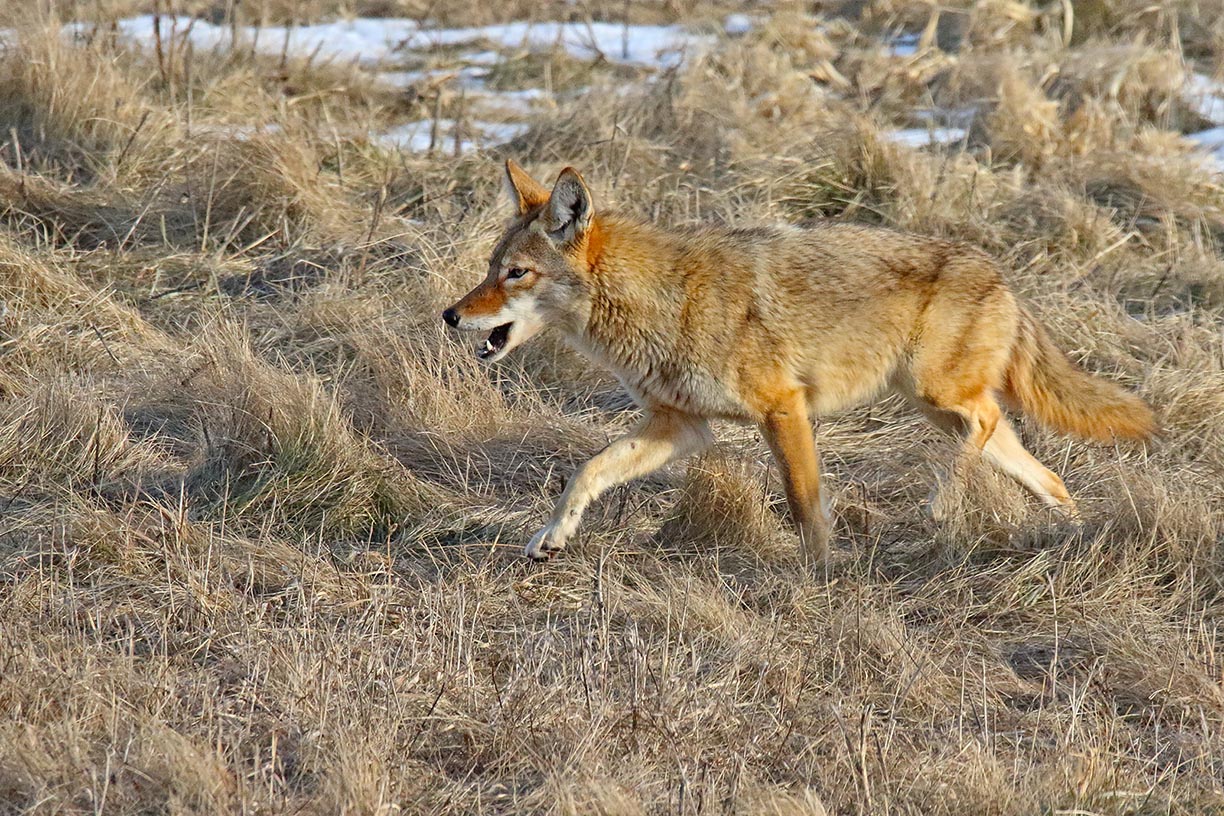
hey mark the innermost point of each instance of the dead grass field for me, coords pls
(261, 517)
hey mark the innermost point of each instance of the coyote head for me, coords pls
(537, 271)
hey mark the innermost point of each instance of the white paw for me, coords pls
(544, 543)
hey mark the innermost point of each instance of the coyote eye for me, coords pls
(516, 272)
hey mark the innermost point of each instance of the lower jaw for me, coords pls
(496, 344)
(493, 357)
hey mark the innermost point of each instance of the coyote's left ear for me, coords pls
(570, 207)
(524, 191)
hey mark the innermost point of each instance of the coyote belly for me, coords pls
(774, 326)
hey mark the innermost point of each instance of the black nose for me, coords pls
(451, 317)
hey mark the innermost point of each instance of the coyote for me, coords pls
(776, 325)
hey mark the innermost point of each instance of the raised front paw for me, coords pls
(544, 544)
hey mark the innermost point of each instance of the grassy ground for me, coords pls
(261, 517)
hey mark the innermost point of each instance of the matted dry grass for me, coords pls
(261, 518)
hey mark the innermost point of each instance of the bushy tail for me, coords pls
(1048, 386)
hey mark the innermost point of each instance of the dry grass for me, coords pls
(260, 517)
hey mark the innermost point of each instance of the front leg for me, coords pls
(662, 437)
(789, 434)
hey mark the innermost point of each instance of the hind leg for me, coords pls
(975, 420)
(1005, 451)
(960, 362)
(970, 412)
(955, 374)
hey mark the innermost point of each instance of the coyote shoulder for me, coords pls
(773, 326)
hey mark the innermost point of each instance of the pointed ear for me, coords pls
(569, 207)
(524, 191)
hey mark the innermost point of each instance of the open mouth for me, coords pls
(495, 342)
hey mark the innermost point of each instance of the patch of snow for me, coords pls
(1209, 139)
(1206, 97)
(414, 137)
(737, 25)
(496, 133)
(370, 41)
(521, 103)
(406, 79)
(925, 137)
(647, 45)
(1210, 143)
(483, 58)
(903, 45)
(362, 40)
(525, 94)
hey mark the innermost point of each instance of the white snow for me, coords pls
(406, 79)
(737, 25)
(414, 137)
(496, 133)
(370, 41)
(904, 45)
(1206, 96)
(525, 94)
(522, 102)
(1210, 142)
(383, 45)
(1209, 139)
(925, 137)
(483, 58)
(367, 41)
(648, 45)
